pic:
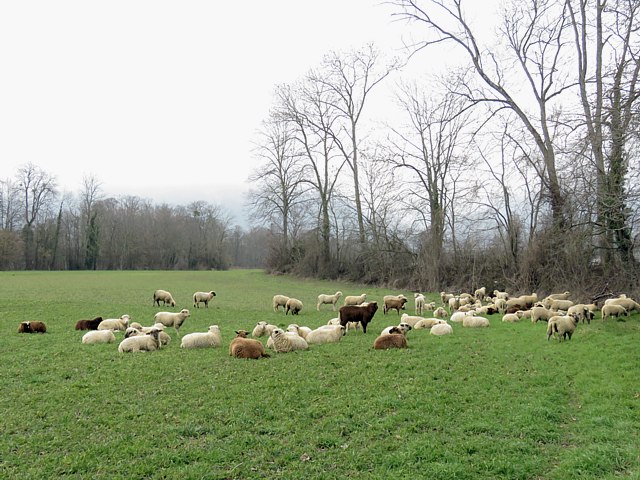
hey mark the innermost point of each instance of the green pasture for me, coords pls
(501, 402)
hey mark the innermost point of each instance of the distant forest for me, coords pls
(517, 171)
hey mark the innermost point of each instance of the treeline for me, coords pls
(43, 230)
(516, 169)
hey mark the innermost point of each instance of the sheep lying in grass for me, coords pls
(262, 328)
(612, 310)
(441, 329)
(348, 326)
(458, 317)
(302, 331)
(279, 301)
(294, 306)
(511, 317)
(354, 300)
(163, 336)
(164, 297)
(88, 324)
(98, 336)
(243, 347)
(209, 339)
(33, 326)
(326, 334)
(419, 301)
(428, 323)
(394, 339)
(172, 319)
(324, 299)
(402, 328)
(475, 322)
(115, 323)
(203, 297)
(140, 343)
(283, 342)
(562, 326)
(440, 313)
(410, 319)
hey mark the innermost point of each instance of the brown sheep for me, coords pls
(33, 326)
(394, 339)
(394, 303)
(88, 324)
(243, 347)
(362, 315)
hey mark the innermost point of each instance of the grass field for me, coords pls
(501, 402)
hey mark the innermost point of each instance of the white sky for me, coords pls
(161, 99)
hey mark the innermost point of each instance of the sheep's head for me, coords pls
(214, 328)
(185, 312)
(242, 333)
(395, 330)
(277, 332)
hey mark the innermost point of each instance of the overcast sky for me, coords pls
(161, 99)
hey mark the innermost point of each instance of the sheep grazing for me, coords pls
(209, 339)
(33, 326)
(170, 319)
(393, 302)
(362, 315)
(354, 300)
(88, 324)
(115, 323)
(394, 339)
(440, 313)
(328, 300)
(326, 334)
(283, 342)
(540, 313)
(480, 293)
(243, 347)
(279, 301)
(628, 303)
(140, 343)
(98, 336)
(164, 297)
(562, 327)
(262, 328)
(475, 322)
(419, 302)
(441, 329)
(202, 297)
(612, 310)
(294, 306)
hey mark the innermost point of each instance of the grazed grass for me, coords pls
(483, 403)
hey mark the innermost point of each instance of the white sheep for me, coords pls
(355, 300)
(171, 319)
(458, 317)
(628, 303)
(328, 300)
(410, 319)
(441, 329)
(140, 343)
(283, 342)
(209, 339)
(164, 297)
(402, 327)
(475, 322)
(163, 336)
(326, 334)
(510, 317)
(301, 330)
(419, 301)
(426, 323)
(115, 323)
(279, 301)
(294, 306)
(203, 297)
(556, 305)
(349, 326)
(540, 313)
(480, 293)
(263, 328)
(98, 336)
(613, 310)
(499, 294)
(562, 326)
(440, 313)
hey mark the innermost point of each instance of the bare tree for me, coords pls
(534, 32)
(279, 185)
(90, 195)
(349, 79)
(9, 205)
(38, 191)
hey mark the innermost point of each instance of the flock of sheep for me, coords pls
(561, 313)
